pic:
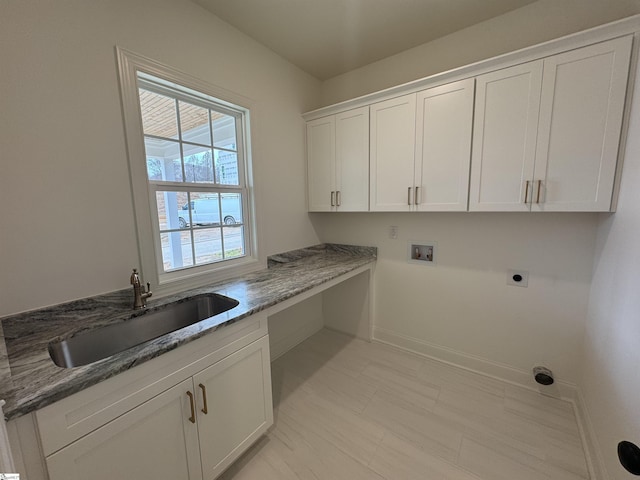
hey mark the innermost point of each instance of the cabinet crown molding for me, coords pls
(609, 31)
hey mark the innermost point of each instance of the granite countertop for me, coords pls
(30, 380)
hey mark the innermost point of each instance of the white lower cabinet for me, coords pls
(235, 393)
(152, 441)
(194, 430)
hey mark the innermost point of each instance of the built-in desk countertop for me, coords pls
(29, 379)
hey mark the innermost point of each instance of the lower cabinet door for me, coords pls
(237, 394)
(155, 441)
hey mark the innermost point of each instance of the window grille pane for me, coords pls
(194, 123)
(173, 210)
(192, 140)
(233, 242)
(158, 114)
(231, 208)
(208, 245)
(163, 160)
(205, 208)
(224, 131)
(198, 164)
(176, 250)
(226, 164)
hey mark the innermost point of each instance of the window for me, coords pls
(189, 155)
(194, 169)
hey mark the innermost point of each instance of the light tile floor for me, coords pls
(348, 409)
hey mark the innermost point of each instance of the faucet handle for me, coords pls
(148, 287)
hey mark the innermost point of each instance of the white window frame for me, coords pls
(129, 66)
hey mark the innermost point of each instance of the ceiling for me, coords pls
(328, 37)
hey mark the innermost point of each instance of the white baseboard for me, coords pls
(506, 373)
(590, 442)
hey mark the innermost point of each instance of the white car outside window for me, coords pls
(206, 211)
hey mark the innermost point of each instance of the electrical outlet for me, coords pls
(518, 278)
(393, 232)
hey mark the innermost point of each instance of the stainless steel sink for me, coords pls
(94, 345)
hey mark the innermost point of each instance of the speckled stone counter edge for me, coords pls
(30, 380)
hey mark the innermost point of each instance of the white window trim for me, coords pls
(129, 65)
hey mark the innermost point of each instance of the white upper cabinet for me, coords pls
(421, 148)
(533, 133)
(504, 138)
(444, 121)
(393, 127)
(321, 162)
(338, 162)
(352, 160)
(546, 133)
(581, 109)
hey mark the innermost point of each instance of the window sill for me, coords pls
(195, 280)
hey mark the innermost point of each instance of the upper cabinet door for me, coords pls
(321, 147)
(352, 160)
(504, 138)
(393, 127)
(443, 146)
(582, 104)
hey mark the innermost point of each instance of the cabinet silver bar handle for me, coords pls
(539, 188)
(333, 201)
(338, 198)
(409, 196)
(192, 418)
(526, 191)
(415, 197)
(204, 398)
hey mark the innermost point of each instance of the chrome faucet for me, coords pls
(139, 294)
